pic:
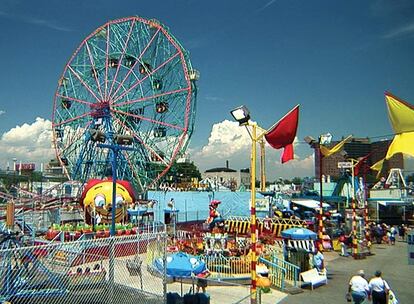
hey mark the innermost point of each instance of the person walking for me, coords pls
(358, 287)
(379, 289)
(393, 234)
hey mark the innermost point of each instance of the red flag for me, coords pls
(283, 133)
(361, 165)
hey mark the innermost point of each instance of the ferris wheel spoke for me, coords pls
(75, 99)
(133, 168)
(122, 56)
(95, 75)
(152, 97)
(74, 138)
(136, 62)
(106, 60)
(153, 121)
(83, 83)
(150, 149)
(72, 119)
(146, 76)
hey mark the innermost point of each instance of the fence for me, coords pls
(292, 271)
(277, 274)
(111, 270)
(228, 267)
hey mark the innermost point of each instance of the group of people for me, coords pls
(377, 289)
(387, 234)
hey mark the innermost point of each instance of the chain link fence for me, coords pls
(109, 270)
(96, 271)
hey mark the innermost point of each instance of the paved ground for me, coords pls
(391, 260)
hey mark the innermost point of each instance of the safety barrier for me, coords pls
(241, 225)
(92, 271)
(292, 271)
(227, 267)
(277, 274)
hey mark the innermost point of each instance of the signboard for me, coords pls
(410, 246)
(345, 165)
(262, 204)
(25, 167)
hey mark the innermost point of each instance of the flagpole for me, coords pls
(320, 224)
(262, 166)
(253, 295)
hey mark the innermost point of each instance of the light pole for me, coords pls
(120, 141)
(242, 116)
(118, 144)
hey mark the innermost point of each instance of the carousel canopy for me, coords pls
(299, 234)
(181, 264)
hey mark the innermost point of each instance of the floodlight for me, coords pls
(241, 115)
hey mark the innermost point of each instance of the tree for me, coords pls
(183, 172)
(297, 181)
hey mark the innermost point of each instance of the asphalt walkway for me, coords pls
(391, 260)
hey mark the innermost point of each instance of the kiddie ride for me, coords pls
(96, 204)
(230, 236)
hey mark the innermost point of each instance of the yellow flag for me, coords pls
(328, 152)
(378, 166)
(400, 113)
(402, 143)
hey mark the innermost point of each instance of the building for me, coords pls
(226, 177)
(356, 148)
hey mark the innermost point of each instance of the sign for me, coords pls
(410, 246)
(345, 165)
(25, 167)
(262, 204)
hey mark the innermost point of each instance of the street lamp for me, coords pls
(116, 146)
(324, 139)
(242, 116)
(119, 143)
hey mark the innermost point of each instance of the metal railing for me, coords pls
(227, 267)
(111, 270)
(277, 274)
(292, 271)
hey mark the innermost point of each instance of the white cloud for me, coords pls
(27, 143)
(401, 31)
(229, 141)
(2, 112)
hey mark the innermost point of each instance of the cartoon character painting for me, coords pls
(214, 217)
(96, 200)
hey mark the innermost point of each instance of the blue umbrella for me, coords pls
(299, 234)
(181, 264)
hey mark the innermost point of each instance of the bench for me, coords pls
(313, 278)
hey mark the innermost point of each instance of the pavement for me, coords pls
(391, 260)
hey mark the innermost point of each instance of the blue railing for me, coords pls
(277, 274)
(292, 271)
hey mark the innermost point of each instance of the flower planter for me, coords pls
(51, 234)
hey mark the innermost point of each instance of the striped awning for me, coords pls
(307, 245)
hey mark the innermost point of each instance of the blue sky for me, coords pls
(335, 58)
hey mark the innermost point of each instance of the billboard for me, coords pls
(25, 167)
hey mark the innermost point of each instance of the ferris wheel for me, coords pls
(130, 78)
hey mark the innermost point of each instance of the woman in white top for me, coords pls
(379, 289)
(358, 287)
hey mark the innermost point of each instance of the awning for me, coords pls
(312, 204)
(307, 245)
(392, 202)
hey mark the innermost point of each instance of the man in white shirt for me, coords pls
(358, 287)
(379, 289)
